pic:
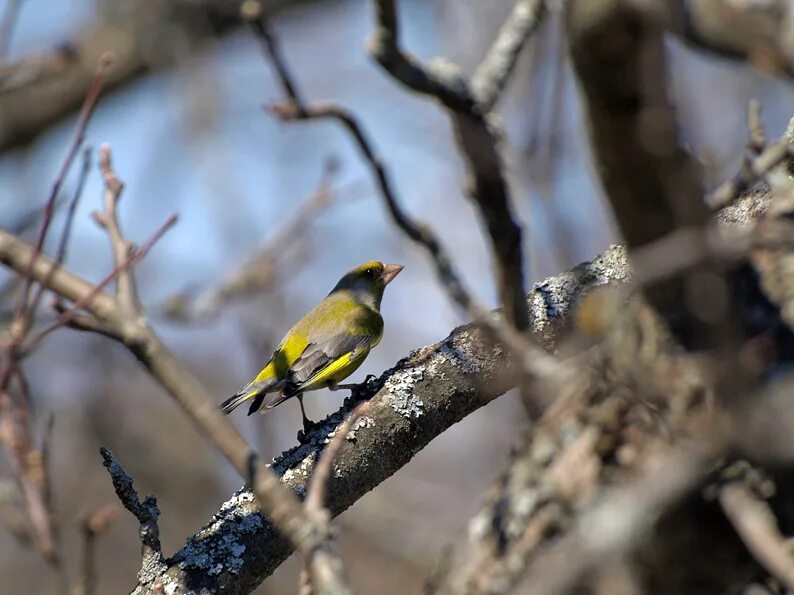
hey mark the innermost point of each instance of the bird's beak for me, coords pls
(390, 271)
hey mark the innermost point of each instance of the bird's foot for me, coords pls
(308, 426)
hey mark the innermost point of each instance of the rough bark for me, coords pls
(410, 404)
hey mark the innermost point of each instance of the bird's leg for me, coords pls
(307, 423)
(337, 386)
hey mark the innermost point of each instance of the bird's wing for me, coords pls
(323, 360)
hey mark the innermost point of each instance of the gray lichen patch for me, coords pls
(225, 555)
(237, 511)
(300, 472)
(152, 568)
(463, 351)
(553, 300)
(400, 391)
(361, 422)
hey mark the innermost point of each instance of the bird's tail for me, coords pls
(234, 402)
(256, 390)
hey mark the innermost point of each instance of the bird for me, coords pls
(324, 347)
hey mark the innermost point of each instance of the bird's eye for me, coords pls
(370, 272)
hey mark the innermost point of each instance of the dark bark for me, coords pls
(418, 399)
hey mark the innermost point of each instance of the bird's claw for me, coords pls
(308, 426)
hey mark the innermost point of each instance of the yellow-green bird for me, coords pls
(327, 345)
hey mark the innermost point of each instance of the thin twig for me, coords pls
(261, 271)
(323, 563)
(494, 72)
(252, 12)
(756, 140)
(134, 256)
(30, 463)
(478, 145)
(91, 527)
(755, 170)
(126, 292)
(757, 527)
(145, 510)
(89, 105)
(63, 242)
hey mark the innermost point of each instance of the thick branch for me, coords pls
(147, 35)
(422, 396)
(124, 321)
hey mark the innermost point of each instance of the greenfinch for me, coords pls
(326, 346)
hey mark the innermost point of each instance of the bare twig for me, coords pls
(261, 271)
(251, 11)
(126, 293)
(63, 242)
(145, 510)
(315, 500)
(92, 526)
(533, 359)
(89, 104)
(757, 32)
(475, 136)
(751, 173)
(70, 315)
(305, 582)
(324, 565)
(29, 463)
(494, 72)
(756, 141)
(28, 466)
(11, 515)
(469, 106)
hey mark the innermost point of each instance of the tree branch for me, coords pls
(474, 133)
(534, 362)
(42, 89)
(261, 270)
(493, 74)
(122, 319)
(409, 405)
(145, 510)
(92, 526)
(751, 173)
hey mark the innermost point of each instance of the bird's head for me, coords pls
(368, 280)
